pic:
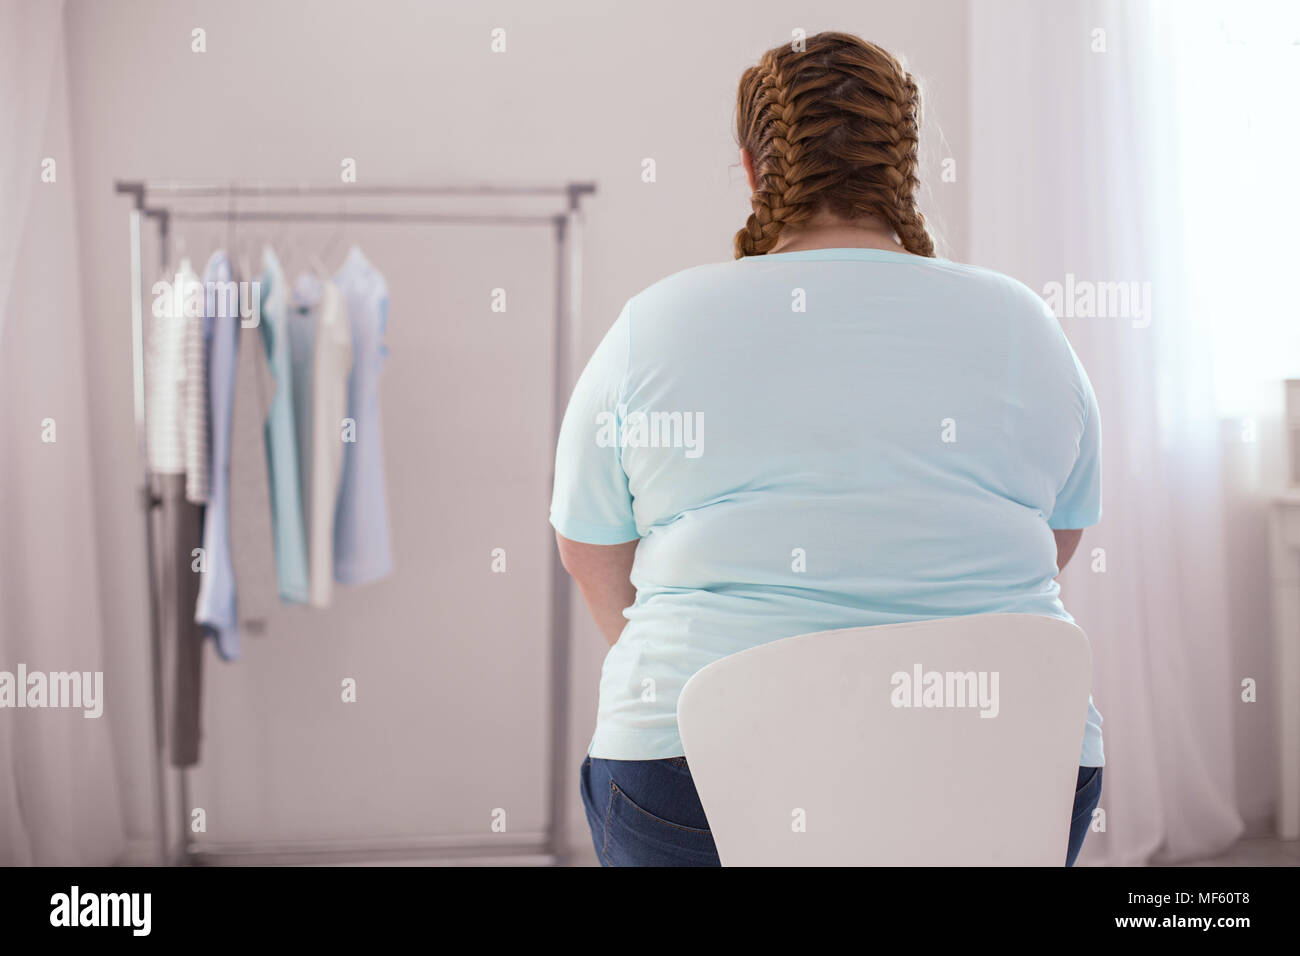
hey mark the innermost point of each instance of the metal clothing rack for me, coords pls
(153, 200)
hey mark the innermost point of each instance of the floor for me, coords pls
(1256, 851)
(1253, 851)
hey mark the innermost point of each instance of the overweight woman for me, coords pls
(837, 429)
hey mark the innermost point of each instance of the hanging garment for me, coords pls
(216, 604)
(288, 526)
(176, 379)
(179, 532)
(361, 537)
(322, 360)
(252, 544)
(177, 416)
(198, 443)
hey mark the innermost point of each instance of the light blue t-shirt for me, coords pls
(288, 524)
(821, 439)
(362, 547)
(216, 608)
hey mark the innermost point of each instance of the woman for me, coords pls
(838, 429)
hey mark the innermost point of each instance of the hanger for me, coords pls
(232, 217)
(287, 250)
(319, 268)
(334, 239)
(176, 255)
(237, 244)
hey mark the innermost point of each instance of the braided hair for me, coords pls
(832, 127)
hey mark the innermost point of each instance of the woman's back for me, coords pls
(820, 439)
(838, 430)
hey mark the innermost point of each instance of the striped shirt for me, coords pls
(176, 407)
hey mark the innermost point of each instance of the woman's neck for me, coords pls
(838, 234)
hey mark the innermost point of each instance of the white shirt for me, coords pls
(321, 343)
(176, 387)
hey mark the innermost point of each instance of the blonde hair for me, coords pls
(836, 127)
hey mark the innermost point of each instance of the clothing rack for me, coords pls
(153, 200)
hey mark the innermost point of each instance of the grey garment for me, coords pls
(180, 533)
(252, 546)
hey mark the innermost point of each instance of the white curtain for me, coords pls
(1084, 134)
(59, 802)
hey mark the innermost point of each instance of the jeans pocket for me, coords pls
(1085, 782)
(636, 837)
(1087, 794)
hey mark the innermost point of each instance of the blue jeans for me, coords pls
(1087, 794)
(647, 813)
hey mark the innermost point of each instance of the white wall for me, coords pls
(449, 657)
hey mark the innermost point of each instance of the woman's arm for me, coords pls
(1066, 541)
(603, 573)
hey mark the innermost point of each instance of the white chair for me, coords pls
(803, 754)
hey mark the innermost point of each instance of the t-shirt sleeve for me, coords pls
(591, 501)
(1078, 504)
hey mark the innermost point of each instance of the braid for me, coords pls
(837, 127)
(783, 194)
(902, 213)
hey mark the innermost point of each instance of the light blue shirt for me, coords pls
(821, 439)
(289, 528)
(216, 605)
(362, 552)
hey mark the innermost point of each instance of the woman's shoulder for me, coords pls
(692, 277)
(921, 274)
